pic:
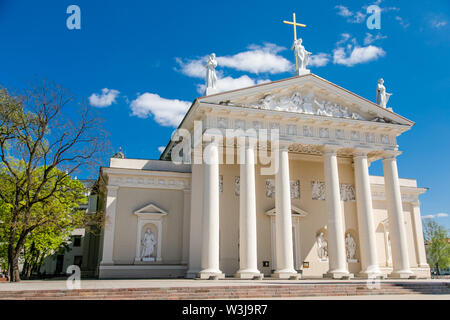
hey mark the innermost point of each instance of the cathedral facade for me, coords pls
(267, 181)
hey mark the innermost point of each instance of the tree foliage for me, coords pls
(44, 139)
(437, 246)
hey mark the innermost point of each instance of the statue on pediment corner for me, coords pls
(382, 95)
(211, 77)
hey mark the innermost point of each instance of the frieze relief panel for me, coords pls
(324, 133)
(347, 191)
(295, 188)
(318, 190)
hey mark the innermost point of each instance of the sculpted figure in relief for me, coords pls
(307, 104)
(318, 190)
(297, 102)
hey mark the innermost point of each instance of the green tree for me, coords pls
(45, 137)
(46, 239)
(437, 246)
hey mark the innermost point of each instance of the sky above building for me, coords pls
(140, 64)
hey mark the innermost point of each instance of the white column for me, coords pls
(418, 235)
(283, 221)
(110, 222)
(247, 215)
(195, 222)
(399, 246)
(336, 241)
(210, 227)
(366, 226)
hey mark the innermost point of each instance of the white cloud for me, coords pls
(344, 38)
(257, 59)
(230, 83)
(193, 68)
(438, 215)
(370, 38)
(161, 149)
(358, 17)
(105, 99)
(352, 17)
(166, 112)
(402, 22)
(319, 60)
(352, 53)
(343, 11)
(355, 55)
(438, 23)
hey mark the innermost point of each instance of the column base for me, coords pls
(210, 275)
(291, 275)
(344, 275)
(249, 274)
(107, 263)
(402, 275)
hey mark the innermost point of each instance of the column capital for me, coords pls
(248, 142)
(331, 148)
(415, 203)
(282, 146)
(390, 154)
(360, 152)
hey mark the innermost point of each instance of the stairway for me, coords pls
(235, 291)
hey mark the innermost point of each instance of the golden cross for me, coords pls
(295, 24)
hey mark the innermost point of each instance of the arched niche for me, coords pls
(150, 217)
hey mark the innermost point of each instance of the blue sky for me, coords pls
(145, 57)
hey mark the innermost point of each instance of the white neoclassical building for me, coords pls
(228, 197)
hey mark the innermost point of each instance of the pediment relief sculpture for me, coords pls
(307, 103)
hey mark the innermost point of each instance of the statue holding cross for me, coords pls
(301, 55)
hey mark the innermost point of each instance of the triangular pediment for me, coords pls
(308, 95)
(296, 211)
(151, 209)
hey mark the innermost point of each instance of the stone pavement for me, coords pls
(226, 289)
